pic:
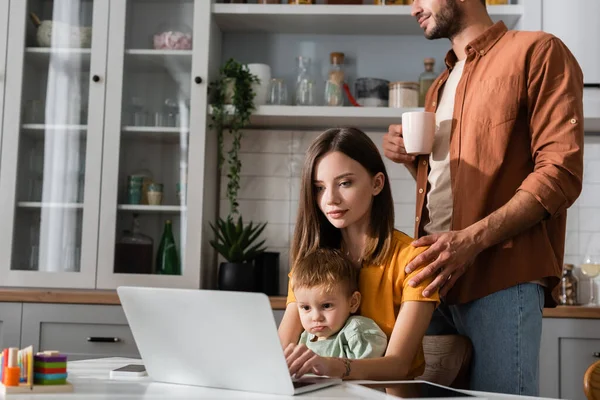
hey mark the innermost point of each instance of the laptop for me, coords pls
(217, 339)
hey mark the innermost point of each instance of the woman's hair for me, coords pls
(313, 230)
(328, 268)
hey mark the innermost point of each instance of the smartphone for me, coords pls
(129, 371)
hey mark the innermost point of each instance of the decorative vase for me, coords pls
(266, 272)
(237, 277)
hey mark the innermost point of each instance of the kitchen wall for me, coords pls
(271, 167)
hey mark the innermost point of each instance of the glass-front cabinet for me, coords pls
(103, 162)
(50, 170)
(149, 193)
(3, 43)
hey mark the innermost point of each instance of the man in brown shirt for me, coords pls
(492, 197)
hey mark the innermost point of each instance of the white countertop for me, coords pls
(90, 379)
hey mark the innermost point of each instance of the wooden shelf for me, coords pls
(174, 62)
(39, 205)
(144, 209)
(74, 58)
(333, 19)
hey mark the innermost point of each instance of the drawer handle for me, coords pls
(103, 339)
(597, 354)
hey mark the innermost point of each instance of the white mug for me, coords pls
(418, 130)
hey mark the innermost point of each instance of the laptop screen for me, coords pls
(415, 390)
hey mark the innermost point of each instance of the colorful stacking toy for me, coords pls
(23, 372)
(49, 368)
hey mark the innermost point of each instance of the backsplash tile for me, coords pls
(270, 211)
(264, 164)
(270, 187)
(260, 188)
(267, 141)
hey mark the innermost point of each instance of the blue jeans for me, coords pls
(505, 329)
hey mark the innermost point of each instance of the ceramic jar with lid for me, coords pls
(404, 95)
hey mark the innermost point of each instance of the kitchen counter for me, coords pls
(80, 296)
(109, 297)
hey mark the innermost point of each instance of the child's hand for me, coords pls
(301, 360)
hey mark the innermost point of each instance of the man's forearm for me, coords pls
(520, 213)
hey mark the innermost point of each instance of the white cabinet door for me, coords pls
(576, 24)
(52, 140)
(155, 145)
(3, 43)
(10, 324)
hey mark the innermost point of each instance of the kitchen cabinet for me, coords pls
(569, 346)
(89, 108)
(82, 331)
(77, 330)
(10, 324)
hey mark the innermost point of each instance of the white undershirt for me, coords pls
(439, 198)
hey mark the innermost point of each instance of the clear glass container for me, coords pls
(334, 87)
(568, 287)
(426, 79)
(404, 95)
(134, 251)
(305, 86)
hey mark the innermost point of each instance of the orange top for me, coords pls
(384, 288)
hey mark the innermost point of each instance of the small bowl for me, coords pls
(372, 92)
(65, 35)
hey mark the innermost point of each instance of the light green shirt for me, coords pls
(359, 338)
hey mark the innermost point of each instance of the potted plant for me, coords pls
(234, 241)
(236, 75)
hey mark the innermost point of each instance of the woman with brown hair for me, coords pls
(346, 203)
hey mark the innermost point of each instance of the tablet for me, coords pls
(129, 371)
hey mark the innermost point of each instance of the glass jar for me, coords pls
(426, 79)
(568, 287)
(304, 94)
(404, 95)
(134, 252)
(334, 87)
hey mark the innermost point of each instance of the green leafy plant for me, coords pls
(235, 242)
(237, 75)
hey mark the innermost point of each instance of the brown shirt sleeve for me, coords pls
(555, 105)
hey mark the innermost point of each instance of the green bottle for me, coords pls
(167, 261)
